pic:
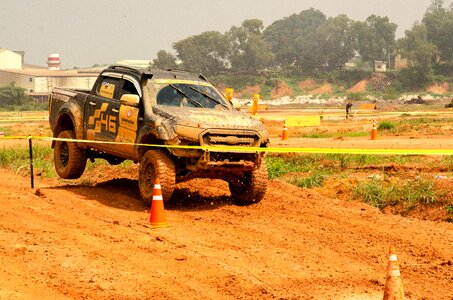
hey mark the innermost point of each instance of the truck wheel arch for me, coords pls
(65, 122)
(146, 137)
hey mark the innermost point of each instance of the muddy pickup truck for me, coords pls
(129, 109)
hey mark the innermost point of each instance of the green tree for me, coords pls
(165, 60)
(293, 40)
(205, 53)
(336, 41)
(375, 38)
(13, 95)
(249, 52)
(439, 27)
(420, 54)
(416, 47)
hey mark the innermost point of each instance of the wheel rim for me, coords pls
(148, 176)
(64, 154)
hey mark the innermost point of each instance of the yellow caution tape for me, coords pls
(258, 149)
(44, 119)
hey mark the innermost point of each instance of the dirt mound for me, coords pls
(379, 81)
(307, 84)
(360, 87)
(248, 91)
(282, 89)
(439, 88)
(326, 88)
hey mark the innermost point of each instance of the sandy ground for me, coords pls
(426, 142)
(91, 239)
(70, 241)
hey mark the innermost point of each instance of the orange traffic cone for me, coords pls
(40, 132)
(285, 132)
(394, 285)
(374, 130)
(157, 217)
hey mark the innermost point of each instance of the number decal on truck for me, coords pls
(101, 119)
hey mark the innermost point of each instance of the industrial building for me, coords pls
(39, 81)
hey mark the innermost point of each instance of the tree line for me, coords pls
(13, 95)
(309, 42)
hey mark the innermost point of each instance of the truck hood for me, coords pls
(208, 118)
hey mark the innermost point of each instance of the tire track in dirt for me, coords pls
(75, 241)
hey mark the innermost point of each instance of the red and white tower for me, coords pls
(53, 61)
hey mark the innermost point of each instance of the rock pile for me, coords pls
(379, 81)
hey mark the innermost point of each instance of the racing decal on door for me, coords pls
(128, 124)
(101, 120)
(107, 90)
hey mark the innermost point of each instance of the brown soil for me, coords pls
(439, 88)
(326, 88)
(359, 87)
(65, 240)
(282, 89)
(248, 91)
(307, 84)
(90, 238)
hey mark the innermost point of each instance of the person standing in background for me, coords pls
(348, 108)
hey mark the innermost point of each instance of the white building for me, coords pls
(39, 81)
(10, 60)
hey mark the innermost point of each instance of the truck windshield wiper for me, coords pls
(208, 97)
(184, 95)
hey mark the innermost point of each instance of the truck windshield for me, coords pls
(190, 95)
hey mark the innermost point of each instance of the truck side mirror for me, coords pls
(130, 100)
(236, 104)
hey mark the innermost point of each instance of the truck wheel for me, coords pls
(69, 159)
(156, 164)
(251, 187)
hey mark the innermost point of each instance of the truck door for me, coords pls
(129, 119)
(101, 111)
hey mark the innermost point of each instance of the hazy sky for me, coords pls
(85, 32)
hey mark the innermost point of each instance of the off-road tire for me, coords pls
(156, 164)
(251, 187)
(69, 159)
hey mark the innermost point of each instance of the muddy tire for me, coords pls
(251, 187)
(156, 164)
(69, 159)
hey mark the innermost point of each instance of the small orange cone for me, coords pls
(40, 132)
(285, 132)
(374, 130)
(394, 285)
(157, 217)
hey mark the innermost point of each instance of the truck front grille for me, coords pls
(232, 157)
(246, 139)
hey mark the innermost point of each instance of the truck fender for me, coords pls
(70, 117)
(152, 135)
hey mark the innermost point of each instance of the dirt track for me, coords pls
(90, 239)
(66, 241)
